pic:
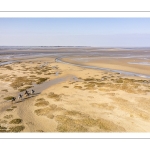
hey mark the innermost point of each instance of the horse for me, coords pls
(26, 93)
(32, 91)
(20, 97)
(13, 99)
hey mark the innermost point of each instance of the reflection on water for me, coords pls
(140, 63)
(7, 62)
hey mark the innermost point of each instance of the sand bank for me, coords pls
(76, 99)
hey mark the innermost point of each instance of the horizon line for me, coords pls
(77, 46)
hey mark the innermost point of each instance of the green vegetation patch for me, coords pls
(78, 87)
(50, 116)
(41, 80)
(39, 131)
(25, 88)
(47, 111)
(17, 128)
(40, 99)
(8, 116)
(66, 86)
(89, 79)
(8, 67)
(39, 73)
(9, 98)
(43, 111)
(120, 80)
(75, 113)
(42, 103)
(2, 128)
(5, 90)
(32, 76)
(3, 121)
(21, 81)
(90, 85)
(3, 76)
(54, 96)
(15, 121)
(125, 84)
(67, 124)
(14, 107)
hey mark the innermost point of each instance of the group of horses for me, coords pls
(26, 94)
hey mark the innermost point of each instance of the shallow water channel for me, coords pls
(106, 69)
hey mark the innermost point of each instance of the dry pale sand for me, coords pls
(75, 99)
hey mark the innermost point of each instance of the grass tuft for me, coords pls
(8, 67)
(54, 96)
(27, 87)
(5, 90)
(17, 128)
(41, 80)
(8, 98)
(9, 110)
(40, 99)
(15, 121)
(21, 81)
(42, 103)
(8, 116)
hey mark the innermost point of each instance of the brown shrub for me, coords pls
(54, 96)
(42, 103)
(21, 81)
(15, 121)
(41, 80)
(16, 129)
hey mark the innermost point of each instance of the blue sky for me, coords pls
(109, 32)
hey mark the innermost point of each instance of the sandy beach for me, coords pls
(70, 98)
